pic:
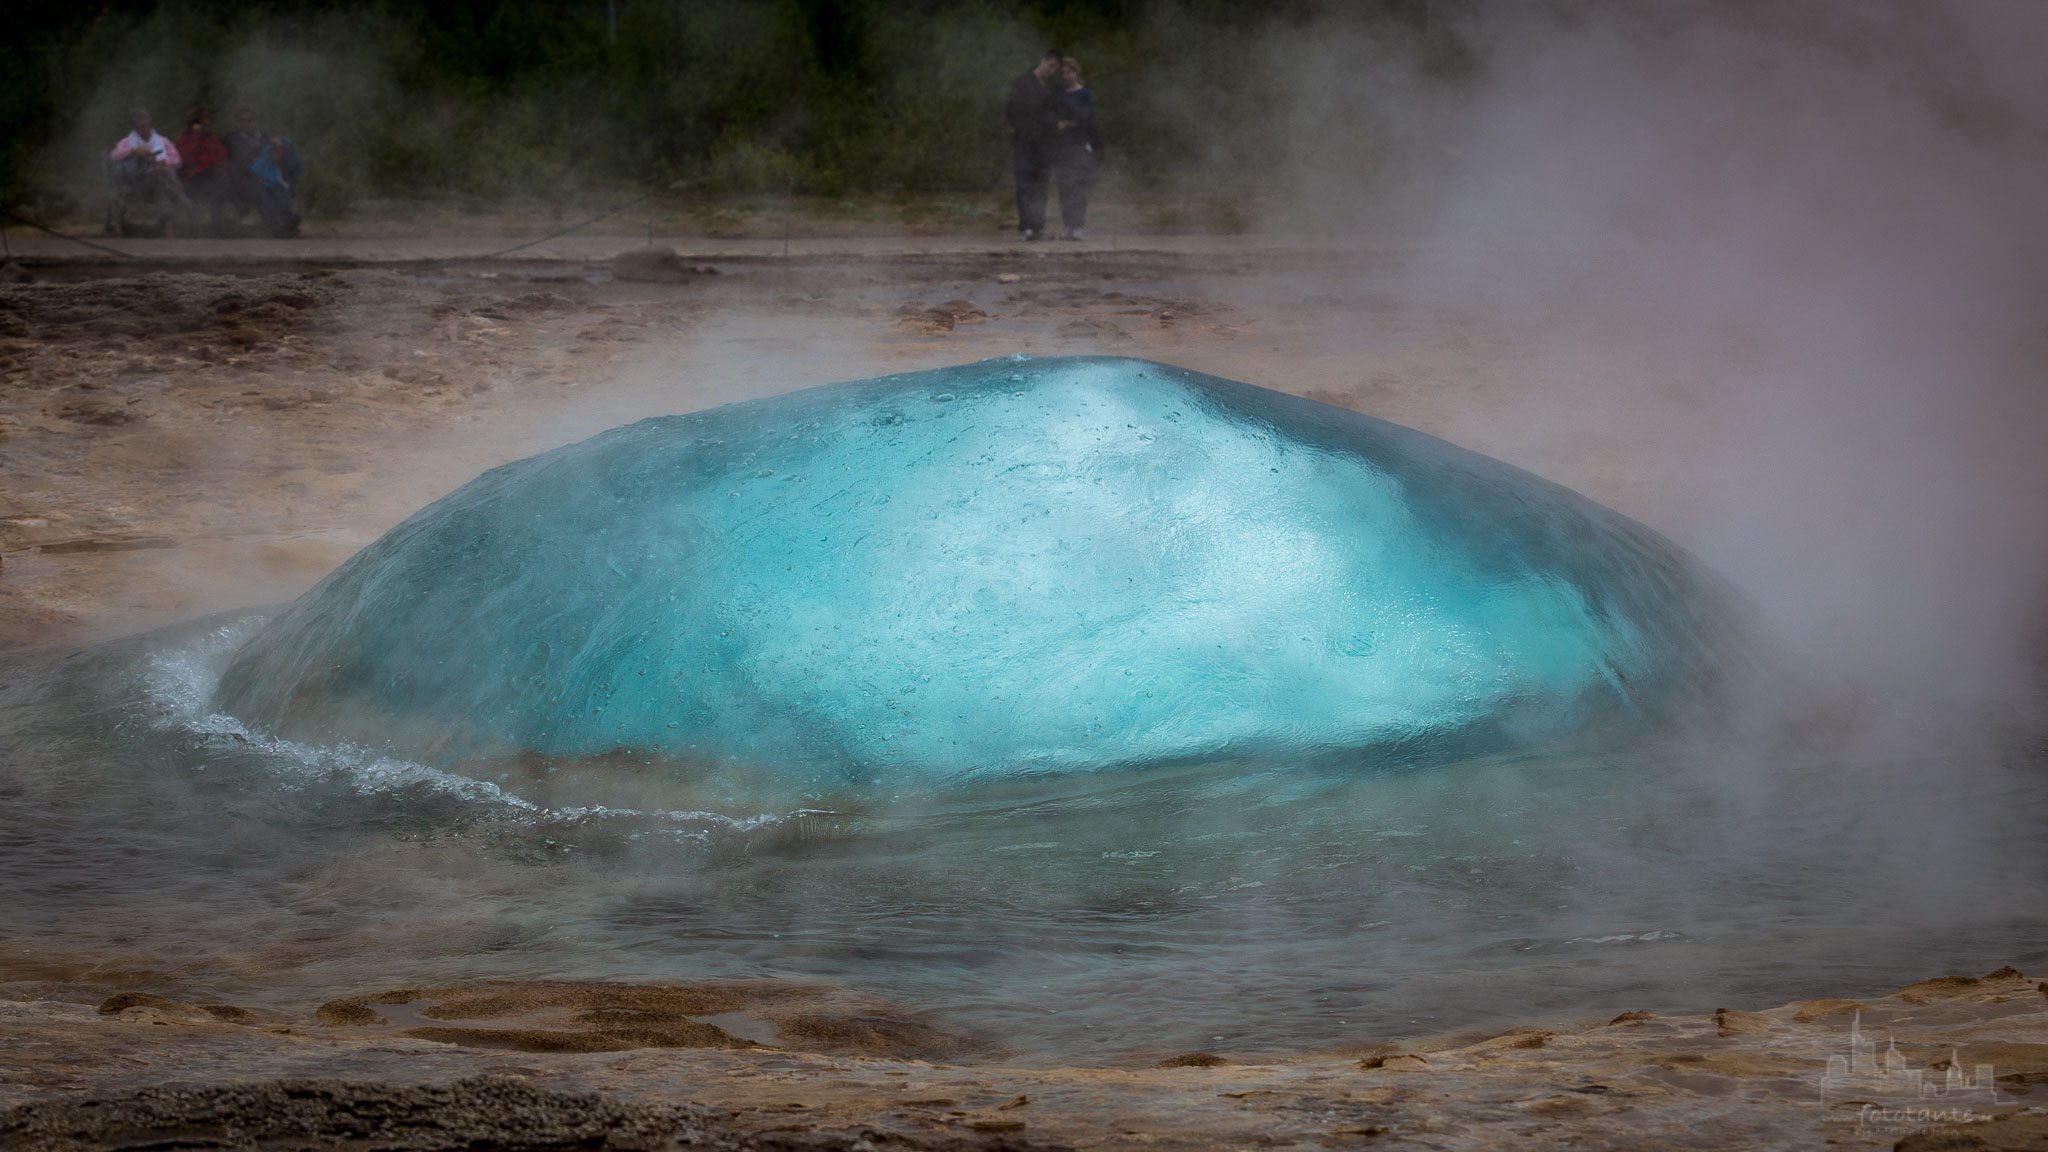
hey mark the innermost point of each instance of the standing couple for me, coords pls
(1053, 132)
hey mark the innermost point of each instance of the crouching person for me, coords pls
(203, 168)
(142, 172)
(263, 176)
(276, 170)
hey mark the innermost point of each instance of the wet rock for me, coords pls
(1193, 1060)
(595, 1000)
(875, 1036)
(656, 265)
(1728, 1022)
(228, 1013)
(577, 1016)
(1812, 1010)
(107, 544)
(1520, 1038)
(310, 1115)
(347, 1014)
(100, 413)
(654, 1034)
(939, 318)
(1940, 988)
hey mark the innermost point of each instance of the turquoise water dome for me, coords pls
(1012, 567)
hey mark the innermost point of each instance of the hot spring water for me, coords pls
(1093, 706)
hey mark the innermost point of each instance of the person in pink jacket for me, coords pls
(143, 169)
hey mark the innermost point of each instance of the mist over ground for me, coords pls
(1780, 270)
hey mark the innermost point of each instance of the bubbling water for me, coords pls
(1014, 568)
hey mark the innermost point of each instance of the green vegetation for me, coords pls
(566, 100)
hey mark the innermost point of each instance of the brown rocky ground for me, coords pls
(546, 1065)
(184, 440)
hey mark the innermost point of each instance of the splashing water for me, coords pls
(1010, 568)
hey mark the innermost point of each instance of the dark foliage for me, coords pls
(481, 99)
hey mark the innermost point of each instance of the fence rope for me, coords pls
(605, 215)
(28, 223)
(521, 247)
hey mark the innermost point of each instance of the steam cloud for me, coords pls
(1790, 261)
(1779, 273)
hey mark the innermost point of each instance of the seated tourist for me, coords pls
(142, 170)
(244, 142)
(276, 170)
(204, 171)
(263, 174)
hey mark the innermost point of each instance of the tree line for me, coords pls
(486, 99)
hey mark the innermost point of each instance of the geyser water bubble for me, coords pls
(1019, 566)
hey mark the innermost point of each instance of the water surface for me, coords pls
(1226, 906)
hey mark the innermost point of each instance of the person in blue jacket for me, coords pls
(276, 172)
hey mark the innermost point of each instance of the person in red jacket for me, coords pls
(205, 172)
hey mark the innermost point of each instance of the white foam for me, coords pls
(179, 683)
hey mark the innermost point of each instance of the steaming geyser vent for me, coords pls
(1013, 566)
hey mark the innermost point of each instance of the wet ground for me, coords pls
(196, 437)
(142, 1072)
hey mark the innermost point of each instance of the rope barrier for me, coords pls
(79, 240)
(556, 235)
(637, 200)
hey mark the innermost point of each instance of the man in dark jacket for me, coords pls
(1033, 113)
(244, 143)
